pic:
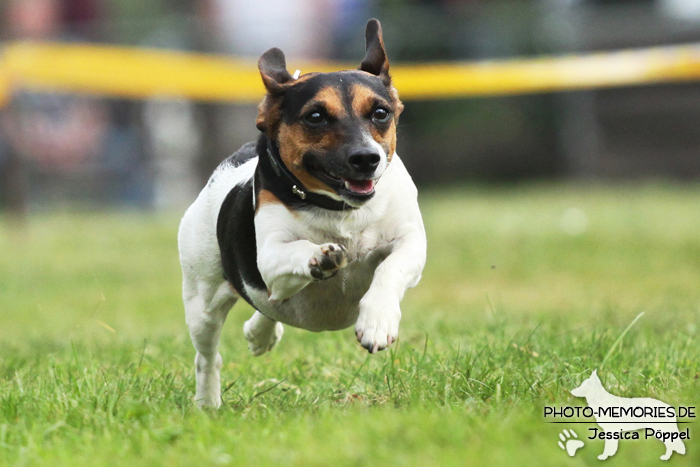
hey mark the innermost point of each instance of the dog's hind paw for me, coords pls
(329, 259)
(262, 339)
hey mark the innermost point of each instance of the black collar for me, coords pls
(277, 178)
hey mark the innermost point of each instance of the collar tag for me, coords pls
(298, 192)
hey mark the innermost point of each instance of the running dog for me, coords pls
(316, 224)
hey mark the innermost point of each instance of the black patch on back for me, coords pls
(243, 155)
(235, 231)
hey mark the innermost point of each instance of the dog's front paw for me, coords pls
(328, 260)
(377, 326)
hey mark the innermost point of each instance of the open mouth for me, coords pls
(360, 187)
(349, 188)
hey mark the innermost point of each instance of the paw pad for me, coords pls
(328, 262)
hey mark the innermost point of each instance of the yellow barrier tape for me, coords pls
(628, 67)
(4, 85)
(135, 73)
(141, 73)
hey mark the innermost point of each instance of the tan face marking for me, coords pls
(293, 142)
(330, 99)
(269, 112)
(387, 140)
(364, 100)
(268, 115)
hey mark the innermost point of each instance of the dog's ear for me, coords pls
(273, 70)
(594, 375)
(375, 60)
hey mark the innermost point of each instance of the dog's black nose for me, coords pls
(364, 161)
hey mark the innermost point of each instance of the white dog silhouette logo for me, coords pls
(616, 415)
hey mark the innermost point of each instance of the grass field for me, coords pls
(526, 291)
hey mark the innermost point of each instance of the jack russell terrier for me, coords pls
(316, 224)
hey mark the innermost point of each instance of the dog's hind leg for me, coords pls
(262, 333)
(206, 308)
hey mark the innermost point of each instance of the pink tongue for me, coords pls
(360, 186)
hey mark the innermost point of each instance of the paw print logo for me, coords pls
(569, 443)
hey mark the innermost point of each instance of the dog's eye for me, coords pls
(315, 118)
(380, 114)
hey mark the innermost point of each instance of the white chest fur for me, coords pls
(332, 303)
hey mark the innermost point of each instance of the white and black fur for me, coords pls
(319, 260)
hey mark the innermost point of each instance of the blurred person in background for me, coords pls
(301, 27)
(63, 146)
(304, 29)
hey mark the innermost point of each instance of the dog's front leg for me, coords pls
(287, 264)
(286, 268)
(378, 322)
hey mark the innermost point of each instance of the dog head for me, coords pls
(588, 386)
(336, 132)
